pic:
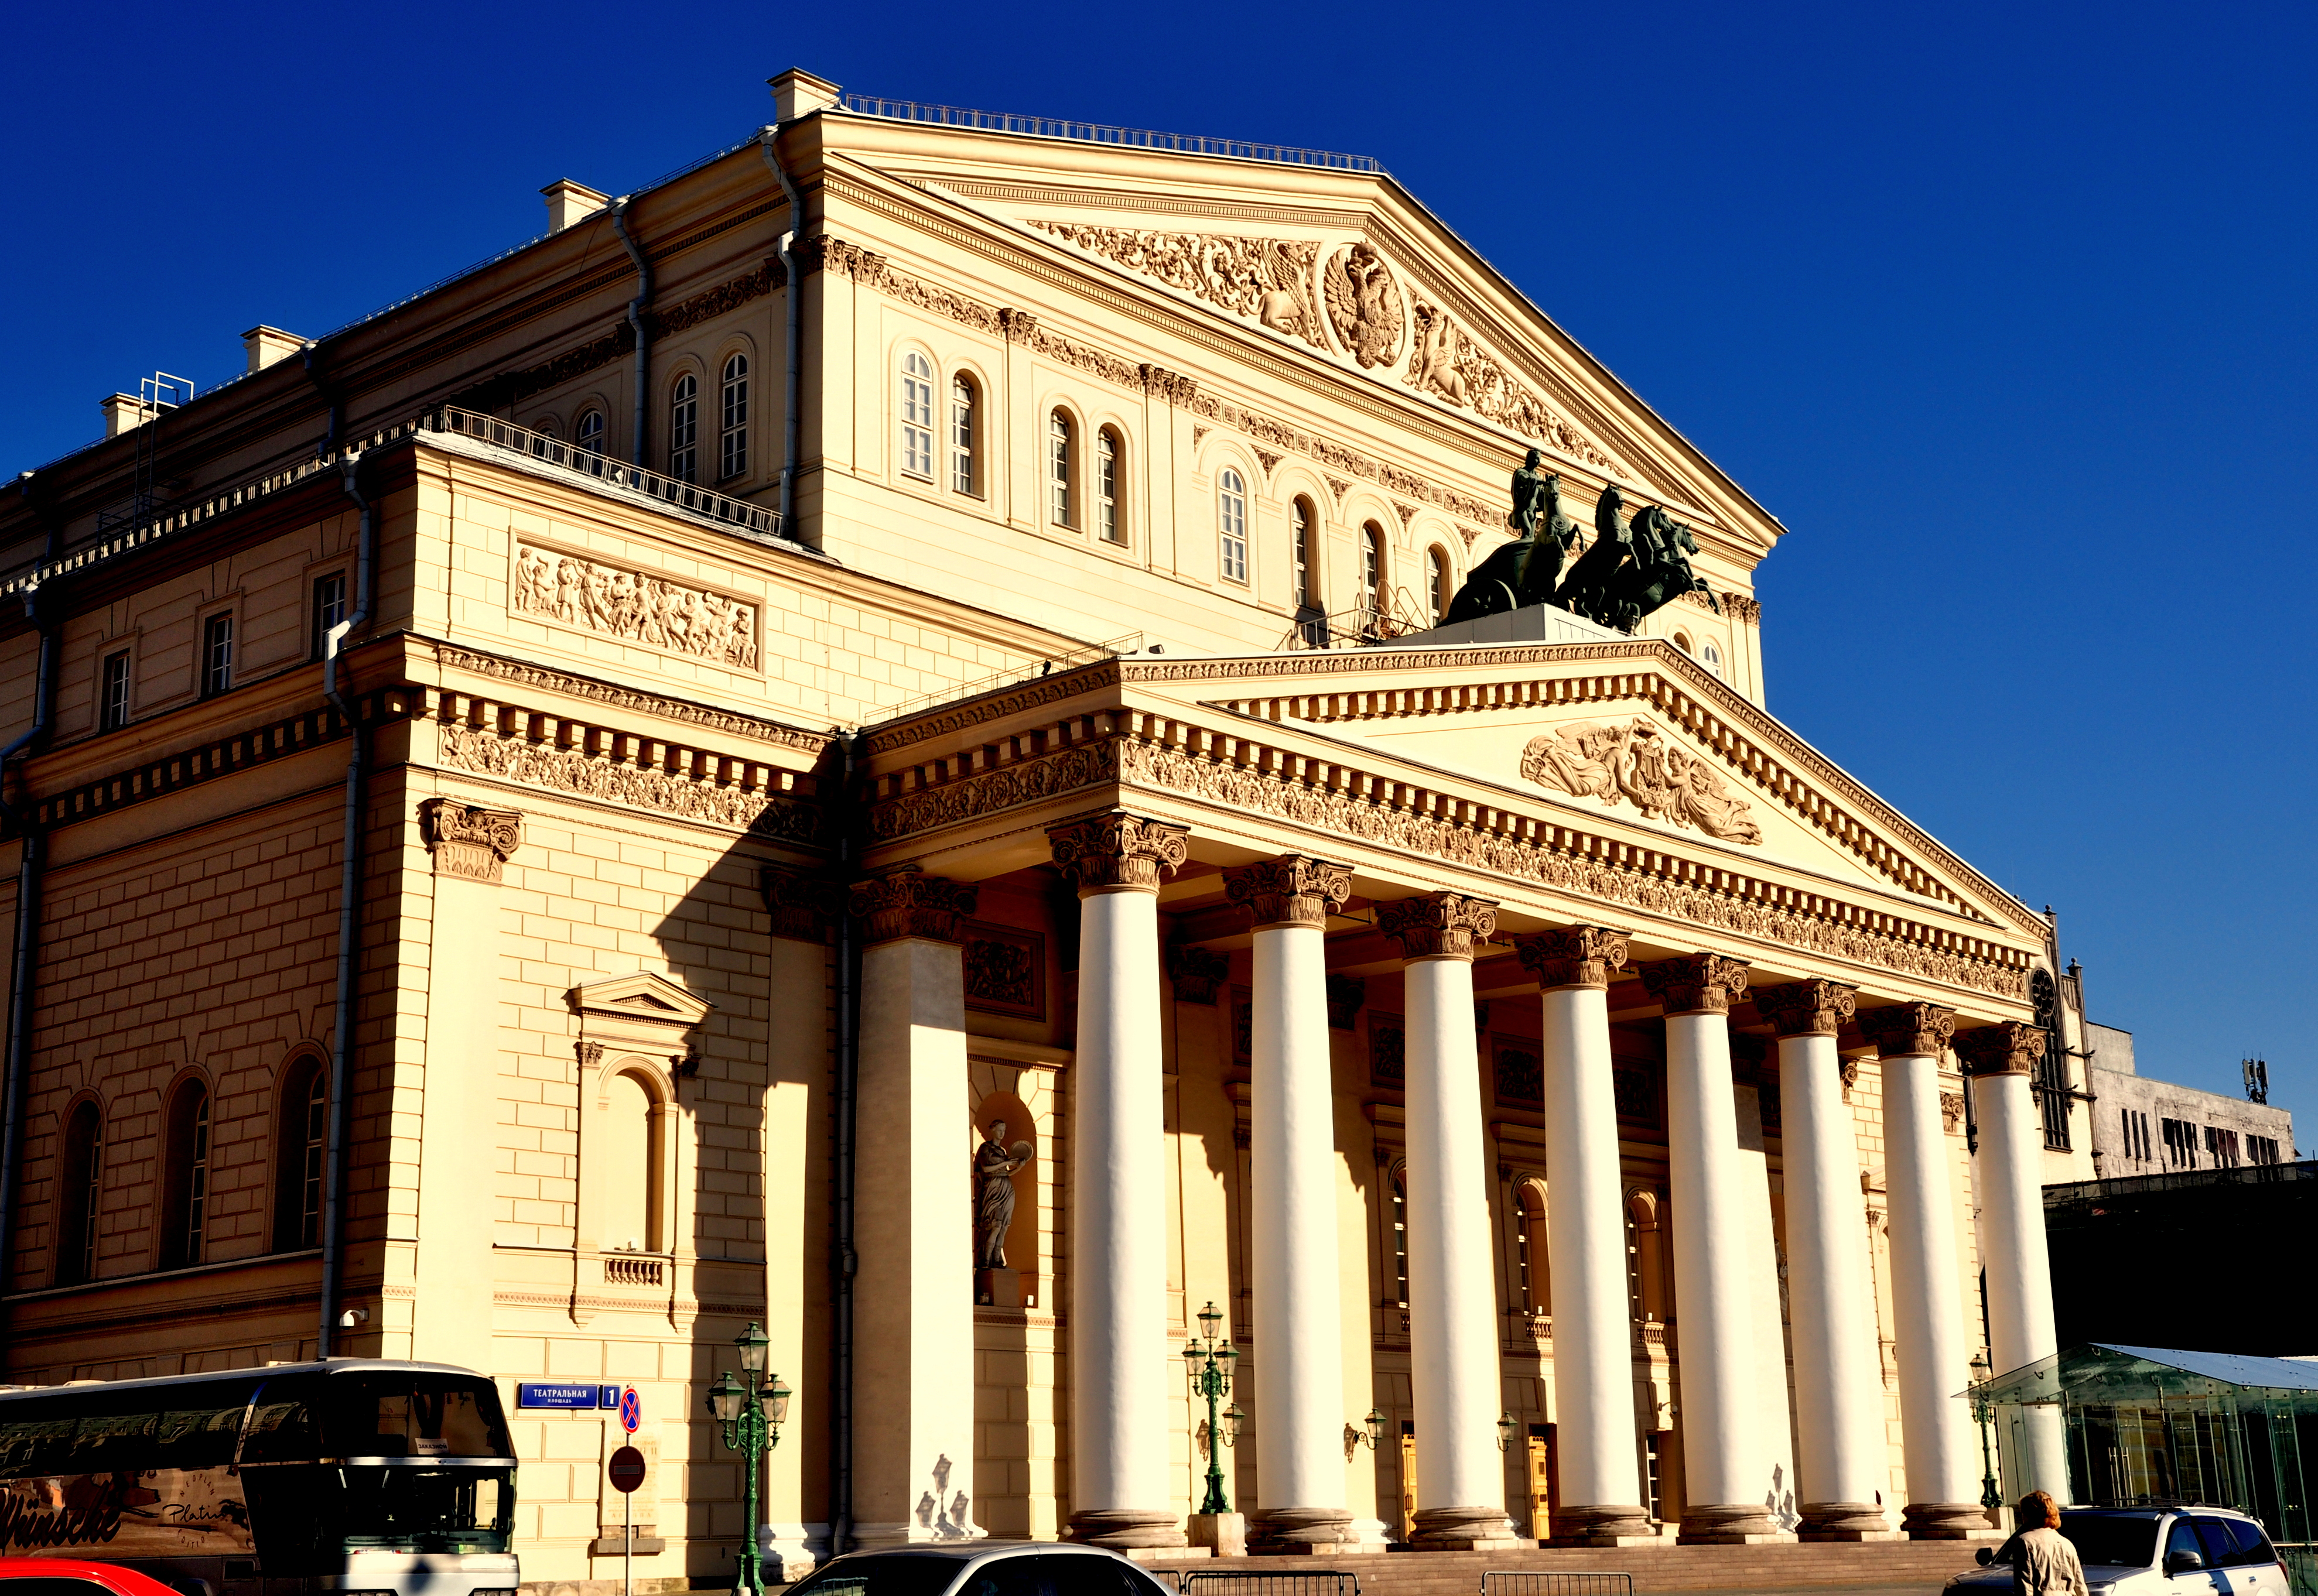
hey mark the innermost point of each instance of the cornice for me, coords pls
(498, 668)
(1346, 219)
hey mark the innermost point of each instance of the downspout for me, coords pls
(32, 847)
(342, 1024)
(849, 1075)
(792, 421)
(636, 308)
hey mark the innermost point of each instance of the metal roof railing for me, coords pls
(1050, 127)
(737, 514)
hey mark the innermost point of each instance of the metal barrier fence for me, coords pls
(1055, 127)
(1311, 1581)
(1541, 1583)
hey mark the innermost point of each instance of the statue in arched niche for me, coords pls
(995, 1163)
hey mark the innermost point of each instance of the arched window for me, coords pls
(684, 428)
(1231, 524)
(1436, 584)
(733, 419)
(1532, 1262)
(1299, 553)
(1646, 1253)
(185, 1176)
(917, 416)
(965, 418)
(1062, 444)
(1372, 569)
(630, 1165)
(1109, 485)
(1400, 1241)
(80, 1184)
(1711, 656)
(589, 431)
(299, 1148)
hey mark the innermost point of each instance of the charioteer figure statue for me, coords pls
(1522, 572)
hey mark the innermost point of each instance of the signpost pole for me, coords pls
(627, 1543)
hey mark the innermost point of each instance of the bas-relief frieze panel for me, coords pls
(630, 786)
(1046, 777)
(1447, 363)
(1618, 760)
(1267, 280)
(635, 606)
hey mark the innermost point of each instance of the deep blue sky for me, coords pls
(2005, 311)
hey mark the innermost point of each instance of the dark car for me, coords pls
(977, 1568)
(2152, 1551)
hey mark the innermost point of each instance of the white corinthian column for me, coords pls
(1299, 1380)
(1119, 1487)
(1453, 1299)
(1842, 1456)
(1586, 1242)
(2008, 1177)
(1928, 1328)
(1726, 1475)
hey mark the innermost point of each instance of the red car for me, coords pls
(65, 1576)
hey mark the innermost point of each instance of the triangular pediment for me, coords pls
(644, 996)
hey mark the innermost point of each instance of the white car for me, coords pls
(977, 1568)
(2152, 1551)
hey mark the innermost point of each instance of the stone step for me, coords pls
(1919, 1565)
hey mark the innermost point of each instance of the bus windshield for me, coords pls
(399, 1415)
(307, 1517)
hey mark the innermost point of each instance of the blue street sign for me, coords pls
(607, 1396)
(632, 1409)
(554, 1394)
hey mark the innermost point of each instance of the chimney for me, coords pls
(798, 93)
(266, 345)
(569, 202)
(123, 412)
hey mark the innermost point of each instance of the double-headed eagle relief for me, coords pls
(1615, 760)
(1364, 304)
(1630, 568)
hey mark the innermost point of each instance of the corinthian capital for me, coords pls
(1699, 983)
(1574, 955)
(1293, 890)
(467, 841)
(911, 903)
(2006, 1048)
(1437, 925)
(1907, 1030)
(1807, 1007)
(1119, 853)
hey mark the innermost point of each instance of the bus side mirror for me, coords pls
(1984, 1557)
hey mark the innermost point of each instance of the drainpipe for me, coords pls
(342, 1024)
(792, 421)
(32, 847)
(637, 308)
(849, 1075)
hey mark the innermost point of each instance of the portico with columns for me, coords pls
(1321, 981)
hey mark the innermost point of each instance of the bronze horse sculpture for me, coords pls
(1522, 572)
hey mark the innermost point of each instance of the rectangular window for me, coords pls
(217, 654)
(309, 1184)
(684, 429)
(329, 608)
(917, 416)
(961, 436)
(112, 708)
(732, 434)
(1106, 488)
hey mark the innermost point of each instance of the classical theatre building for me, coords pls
(863, 739)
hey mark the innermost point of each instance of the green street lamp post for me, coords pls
(1982, 1411)
(1209, 1359)
(752, 1420)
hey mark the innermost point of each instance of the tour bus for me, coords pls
(351, 1476)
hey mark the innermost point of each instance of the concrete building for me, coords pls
(798, 749)
(2145, 1126)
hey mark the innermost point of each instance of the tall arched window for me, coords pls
(684, 428)
(299, 1143)
(1647, 1250)
(185, 1176)
(80, 1184)
(965, 419)
(588, 433)
(1711, 656)
(1532, 1263)
(1062, 446)
(1299, 553)
(1436, 584)
(1109, 485)
(1372, 569)
(1231, 525)
(733, 419)
(917, 416)
(631, 1166)
(1400, 1241)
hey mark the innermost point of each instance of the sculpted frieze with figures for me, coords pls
(590, 596)
(1445, 361)
(1269, 280)
(1631, 760)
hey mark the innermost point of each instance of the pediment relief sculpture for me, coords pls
(1267, 279)
(1620, 760)
(1445, 361)
(635, 606)
(1364, 304)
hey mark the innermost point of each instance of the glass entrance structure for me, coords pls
(2147, 1426)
